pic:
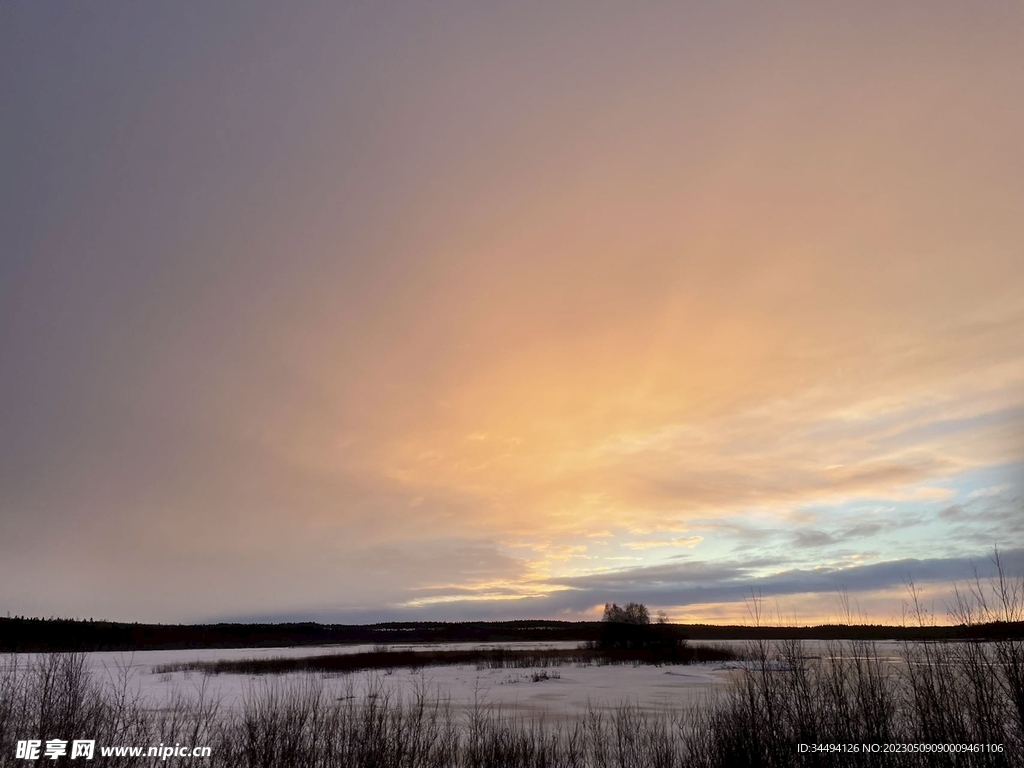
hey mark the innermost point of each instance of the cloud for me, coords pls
(994, 490)
(680, 541)
(813, 539)
(952, 512)
(699, 586)
(470, 325)
(686, 583)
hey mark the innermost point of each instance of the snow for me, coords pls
(570, 690)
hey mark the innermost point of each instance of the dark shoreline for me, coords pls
(51, 635)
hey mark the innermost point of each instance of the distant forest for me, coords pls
(25, 635)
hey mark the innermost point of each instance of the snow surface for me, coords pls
(569, 692)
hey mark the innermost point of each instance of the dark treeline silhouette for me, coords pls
(27, 634)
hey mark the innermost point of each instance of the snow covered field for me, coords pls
(552, 692)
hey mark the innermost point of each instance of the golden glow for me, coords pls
(530, 306)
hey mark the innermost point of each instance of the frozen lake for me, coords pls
(561, 692)
(568, 691)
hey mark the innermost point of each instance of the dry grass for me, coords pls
(482, 658)
(931, 693)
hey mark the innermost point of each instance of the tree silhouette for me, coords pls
(627, 631)
(625, 627)
(633, 613)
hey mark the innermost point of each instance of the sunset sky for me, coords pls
(382, 311)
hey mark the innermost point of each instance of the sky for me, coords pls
(360, 311)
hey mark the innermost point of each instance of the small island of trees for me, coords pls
(627, 632)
